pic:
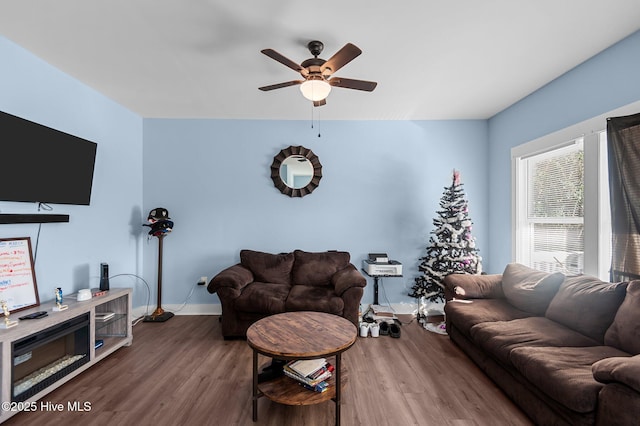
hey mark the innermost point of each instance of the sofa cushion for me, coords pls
(587, 305)
(564, 373)
(624, 332)
(267, 267)
(314, 298)
(528, 289)
(263, 298)
(317, 268)
(501, 337)
(464, 315)
(621, 369)
(474, 286)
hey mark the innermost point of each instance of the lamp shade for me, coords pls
(315, 90)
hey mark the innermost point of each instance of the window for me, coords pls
(561, 204)
(551, 226)
(558, 221)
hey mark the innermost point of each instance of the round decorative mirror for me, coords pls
(296, 171)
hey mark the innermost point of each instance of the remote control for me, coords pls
(34, 315)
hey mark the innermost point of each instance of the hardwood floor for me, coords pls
(182, 372)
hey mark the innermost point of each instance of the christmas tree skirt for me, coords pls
(439, 328)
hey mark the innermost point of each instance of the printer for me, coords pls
(378, 264)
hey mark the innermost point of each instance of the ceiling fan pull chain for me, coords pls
(312, 109)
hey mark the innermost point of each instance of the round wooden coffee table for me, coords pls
(300, 335)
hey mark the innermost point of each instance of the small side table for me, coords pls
(300, 335)
(375, 283)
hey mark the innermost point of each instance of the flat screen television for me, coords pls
(41, 164)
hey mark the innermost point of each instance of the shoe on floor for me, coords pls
(384, 328)
(394, 330)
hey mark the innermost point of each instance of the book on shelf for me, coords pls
(322, 371)
(304, 367)
(103, 316)
(320, 387)
(307, 380)
(312, 379)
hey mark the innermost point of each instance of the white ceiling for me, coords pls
(454, 59)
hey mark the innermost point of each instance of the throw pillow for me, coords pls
(267, 267)
(624, 333)
(587, 305)
(528, 289)
(318, 268)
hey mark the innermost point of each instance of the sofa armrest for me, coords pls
(347, 278)
(467, 286)
(233, 279)
(625, 370)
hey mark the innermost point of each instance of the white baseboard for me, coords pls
(398, 308)
(203, 309)
(216, 309)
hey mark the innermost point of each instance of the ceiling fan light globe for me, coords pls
(315, 90)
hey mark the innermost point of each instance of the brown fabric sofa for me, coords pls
(565, 349)
(264, 284)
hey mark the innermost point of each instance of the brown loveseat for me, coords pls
(565, 349)
(264, 284)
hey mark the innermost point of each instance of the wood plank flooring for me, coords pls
(182, 372)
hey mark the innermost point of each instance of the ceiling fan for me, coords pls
(318, 73)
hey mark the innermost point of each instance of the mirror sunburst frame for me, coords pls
(297, 151)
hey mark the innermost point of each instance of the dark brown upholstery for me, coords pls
(264, 284)
(468, 287)
(587, 305)
(625, 330)
(619, 369)
(502, 337)
(564, 373)
(484, 311)
(571, 364)
(267, 267)
(317, 268)
(530, 290)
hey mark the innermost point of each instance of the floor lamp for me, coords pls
(160, 227)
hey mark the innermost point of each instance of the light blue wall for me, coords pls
(381, 186)
(69, 254)
(605, 82)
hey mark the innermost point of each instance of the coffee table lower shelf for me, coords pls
(285, 390)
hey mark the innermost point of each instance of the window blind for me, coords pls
(555, 209)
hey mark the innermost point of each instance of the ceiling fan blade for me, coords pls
(320, 102)
(282, 59)
(349, 83)
(280, 85)
(342, 57)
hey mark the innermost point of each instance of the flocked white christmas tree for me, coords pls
(452, 249)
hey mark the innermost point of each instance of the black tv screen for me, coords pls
(41, 164)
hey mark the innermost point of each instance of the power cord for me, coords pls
(187, 299)
(41, 206)
(137, 320)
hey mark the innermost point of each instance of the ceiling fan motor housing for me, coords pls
(315, 47)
